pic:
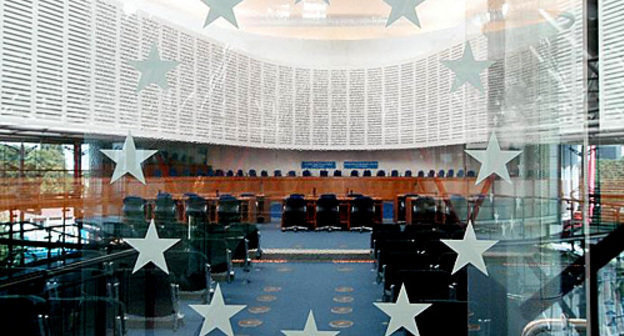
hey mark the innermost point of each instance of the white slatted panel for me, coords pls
(357, 107)
(320, 108)
(72, 73)
(269, 104)
(611, 65)
(243, 120)
(18, 58)
(231, 109)
(339, 108)
(391, 96)
(303, 95)
(285, 102)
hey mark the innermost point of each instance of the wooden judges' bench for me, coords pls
(96, 196)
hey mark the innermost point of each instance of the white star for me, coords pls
(151, 249)
(403, 8)
(493, 160)
(153, 69)
(221, 8)
(128, 160)
(402, 313)
(217, 314)
(310, 329)
(470, 250)
(467, 69)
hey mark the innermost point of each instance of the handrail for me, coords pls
(538, 327)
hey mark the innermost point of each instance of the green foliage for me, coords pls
(45, 163)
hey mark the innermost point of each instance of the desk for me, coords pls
(344, 210)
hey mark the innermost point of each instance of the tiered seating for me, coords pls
(414, 256)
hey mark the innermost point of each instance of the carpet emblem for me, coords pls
(251, 323)
(342, 310)
(343, 299)
(341, 324)
(259, 309)
(344, 289)
(266, 298)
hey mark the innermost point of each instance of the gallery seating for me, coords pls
(324, 173)
(337, 173)
(355, 173)
(381, 173)
(292, 173)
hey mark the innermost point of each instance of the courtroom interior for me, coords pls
(311, 167)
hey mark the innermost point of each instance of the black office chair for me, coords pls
(355, 173)
(408, 173)
(460, 173)
(470, 173)
(210, 172)
(219, 173)
(328, 213)
(230, 173)
(423, 210)
(192, 272)
(337, 173)
(228, 210)
(26, 312)
(165, 214)
(421, 173)
(134, 212)
(431, 173)
(240, 173)
(264, 173)
(292, 173)
(394, 173)
(294, 213)
(450, 173)
(367, 173)
(150, 295)
(441, 173)
(381, 173)
(307, 173)
(252, 173)
(324, 173)
(196, 208)
(362, 214)
(277, 173)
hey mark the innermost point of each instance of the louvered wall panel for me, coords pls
(285, 104)
(340, 112)
(18, 58)
(611, 65)
(75, 71)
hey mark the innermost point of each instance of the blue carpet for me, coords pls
(273, 237)
(297, 288)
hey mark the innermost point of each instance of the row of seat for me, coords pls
(322, 173)
(326, 215)
(414, 256)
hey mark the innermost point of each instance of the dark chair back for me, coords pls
(381, 173)
(421, 173)
(460, 173)
(294, 213)
(408, 173)
(228, 210)
(431, 173)
(277, 173)
(253, 173)
(327, 211)
(292, 173)
(470, 173)
(395, 173)
(450, 173)
(424, 210)
(264, 173)
(367, 173)
(165, 208)
(362, 212)
(441, 173)
(148, 292)
(134, 211)
(337, 173)
(355, 173)
(219, 173)
(307, 173)
(324, 173)
(240, 173)
(230, 173)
